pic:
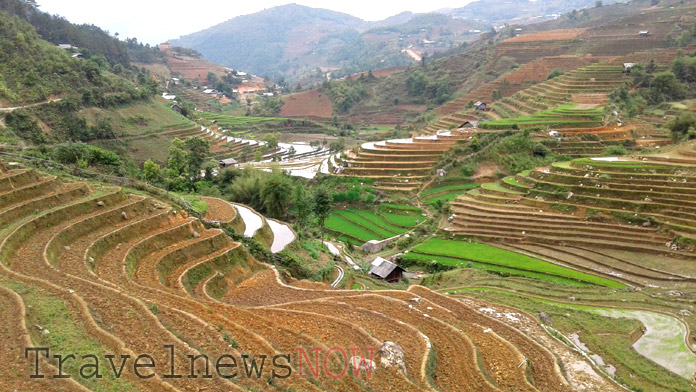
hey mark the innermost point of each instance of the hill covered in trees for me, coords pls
(91, 39)
(33, 70)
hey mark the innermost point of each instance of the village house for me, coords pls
(176, 108)
(229, 162)
(386, 270)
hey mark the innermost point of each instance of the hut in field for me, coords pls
(386, 270)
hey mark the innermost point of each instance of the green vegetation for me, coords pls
(518, 153)
(358, 226)
(429, 88)
(445, 194)
(139, 119)
(88, 37)
(269, 106)
(409, 209)
(33, 70)
(608, 337)
(443, 198)
(198, 205)
(455, 187)
(565, 115)
(353, 233)
(344, 94)
(67, 334)
(458, 253)
(251, 125)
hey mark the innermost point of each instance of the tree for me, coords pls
(322, 207)
(665, 87)
(176, 163)
(681, 124)
(598, 3)
(684, 68)
(415, 84)
(554, 73)
(212, 78)
(303, 205)
(151, 171)
(338, 145)
(275, 194)
(271, 140)
(198, 149)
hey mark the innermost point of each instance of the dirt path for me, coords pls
(12, 109)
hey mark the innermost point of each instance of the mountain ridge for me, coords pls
(293, 41)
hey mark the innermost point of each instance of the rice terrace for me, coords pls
(484, 196)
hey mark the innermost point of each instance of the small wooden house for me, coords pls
(229, 162)
(386, 270)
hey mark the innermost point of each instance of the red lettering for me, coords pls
(345, 363)
(303, 354)
(357, 366)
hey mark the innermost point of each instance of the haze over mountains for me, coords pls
(293, 40)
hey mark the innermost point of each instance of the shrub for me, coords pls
(555, 73)
(72, 153)
(615, 150)
(540, 150)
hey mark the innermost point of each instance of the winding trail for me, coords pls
(12, 109)
(339, 278)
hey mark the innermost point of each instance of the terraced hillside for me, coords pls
(244, 220)
(359, 226)
(142, 128)
(404, 164)
(92, 269)
(571, 100)
(519, 79)
(242, 150)
(246, 124)
(594, 214)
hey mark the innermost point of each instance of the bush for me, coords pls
(540, 150)
(680, 125)
(615, 151)
(555, 73)
(296, 266)
(25, 127)
(73, 153)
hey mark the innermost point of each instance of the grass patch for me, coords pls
(410, 209)
(460, 250)
(365, 226)
(494, 269)
(605, 336)
(402, 220)
(311, 248)
(66, 336)
(198, 205)
(561, 116)
(456, 187)
(447, 197)
(341, 225)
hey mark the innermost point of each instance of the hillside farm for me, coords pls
(497, 197)
(359, 226)
(160, 271)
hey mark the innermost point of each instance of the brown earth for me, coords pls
(309, 103)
